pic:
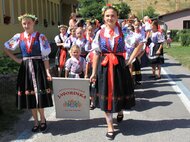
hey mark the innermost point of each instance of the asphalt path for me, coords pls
(161, 114)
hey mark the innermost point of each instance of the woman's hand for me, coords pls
(158, 52)
(93, 78)
(49, 78)
(19, 61)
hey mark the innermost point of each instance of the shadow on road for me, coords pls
(64, 127)
(142, 127)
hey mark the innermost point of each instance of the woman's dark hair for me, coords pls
(155, 23)
(110, 7)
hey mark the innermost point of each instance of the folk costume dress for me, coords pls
(61, 54)
(83, 45)
(33, 90)
(76, 67)
(157, 38)
(115, 89)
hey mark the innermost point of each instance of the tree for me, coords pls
(123, 9)
(91, 9)
(150, 12)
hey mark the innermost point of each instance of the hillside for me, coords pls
(161, 6)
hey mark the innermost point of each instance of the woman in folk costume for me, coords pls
(61, 54)
(33, 91)
(114, 84)
(155, 55)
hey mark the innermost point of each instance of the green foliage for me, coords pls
(123, 9)
(185, 39)
(175, 35)
(91, 9)
(8, 66)
(150, 12)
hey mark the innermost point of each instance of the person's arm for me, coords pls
(66, 73)
(47, 68)
(135, 53)
(94, 67)
(12, 56)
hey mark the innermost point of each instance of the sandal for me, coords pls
(110, 135)
(35, 129)
(119, 117)
(43, 126)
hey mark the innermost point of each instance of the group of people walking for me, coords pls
(108, 54)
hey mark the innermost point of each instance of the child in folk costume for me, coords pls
(82, 42)
(71, 39)
(61, 54)
(75, 66)
(168, 39)
(140, 40)
(155, 55)
(114, 84)
(33, 91)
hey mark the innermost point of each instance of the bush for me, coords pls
(185, 39)
(8, 66)
(175, 35)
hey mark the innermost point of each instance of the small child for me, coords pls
(169, 40)
(71, 39)
(81, 42)
(75, 66)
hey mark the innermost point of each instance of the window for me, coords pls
(186, 24)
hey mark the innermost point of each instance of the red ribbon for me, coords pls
(111, 60)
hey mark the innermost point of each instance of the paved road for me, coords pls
(161, 114)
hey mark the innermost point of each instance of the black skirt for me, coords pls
(123, 88)
(32, 78)
(153, 57)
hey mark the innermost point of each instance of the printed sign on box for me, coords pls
(71, 98)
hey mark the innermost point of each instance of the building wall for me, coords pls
(46, 10)
(175, 21)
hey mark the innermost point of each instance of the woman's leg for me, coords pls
(42, 116)
(43, 124)
(35, 116)
(153, 70)
(159, 71)
(109, 120)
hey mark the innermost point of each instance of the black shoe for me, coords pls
(110, 135)
(157, 78)
(152, 76)
(92, 107)
(35, 129)
(138, 83)
(119, 117)
(43, 126)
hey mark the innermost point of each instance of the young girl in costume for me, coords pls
(61, 54)
(33, 91)
(75, 66)
(114, 84)
(81, 42)
(155, 55)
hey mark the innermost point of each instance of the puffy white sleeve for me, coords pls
(45, 47)
(67, 43)
(57, 40)
(13, 43)
(95, 43)
(161, 37)
(68, 65)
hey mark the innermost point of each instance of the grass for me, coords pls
(179, 53)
